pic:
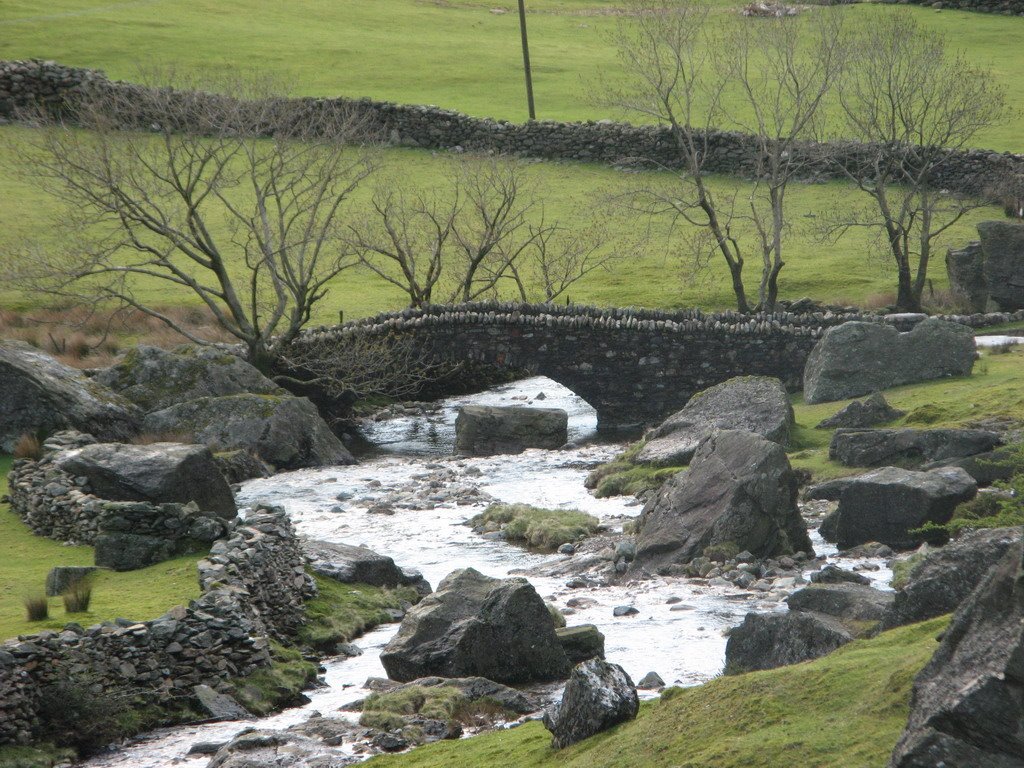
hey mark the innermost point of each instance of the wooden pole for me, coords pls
(526, 60)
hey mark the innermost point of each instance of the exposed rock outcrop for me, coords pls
(863, 413)
(474, 625)
(859, 358)
(286, 432)
(877, 447)
(485, 430)
(739, 493)
(42, 395)
(757, 404)
(946, 577)
(885, 504)
(967, 704)
(597, 697)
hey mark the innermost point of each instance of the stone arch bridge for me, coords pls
(633, 366)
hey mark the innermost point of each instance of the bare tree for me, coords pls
(483, 226)
(783, 69)
(913, 104)
(237, 202)
(667, 52)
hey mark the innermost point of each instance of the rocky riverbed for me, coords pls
(409, 499)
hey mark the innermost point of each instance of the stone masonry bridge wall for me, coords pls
(634, 366)
(34, 83)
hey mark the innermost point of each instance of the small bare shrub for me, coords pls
(37, 608)
(28, 447)
(78, 596)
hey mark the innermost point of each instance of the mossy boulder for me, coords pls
(42, 395)
(286, 432)
(155, 378)
(535, 527)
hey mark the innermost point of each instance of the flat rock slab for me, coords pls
(219, 706)
(487, 430)
(878, 447)
(770, 640)
(157, 473)
(42, 395)
(349, 564)
(885, 504)
(859, 358)
(757, 404)
(846, 602)
(739, 493)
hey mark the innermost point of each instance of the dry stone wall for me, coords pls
(48, 84)
(634, 366)
(253, 586)
(1004, 7)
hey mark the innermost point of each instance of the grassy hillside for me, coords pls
(845, 710)
(461, 55)
(650, 272)
(25, 559)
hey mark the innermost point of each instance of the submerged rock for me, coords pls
(597, 697)
(485, 430)
(758, 404)
(967, 704)
(474, 625)
(858, 358)
(740, 493)
(42, 395)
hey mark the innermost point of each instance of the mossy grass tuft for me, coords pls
(535, 527)
(387, 710)
(78, 596)
(37, 608)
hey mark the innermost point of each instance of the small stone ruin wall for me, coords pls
(253, 587)
(31, 83)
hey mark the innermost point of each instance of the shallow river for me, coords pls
(415, 476)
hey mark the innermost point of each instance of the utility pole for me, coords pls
(526, 60)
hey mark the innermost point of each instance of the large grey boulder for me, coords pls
(770, 640)
(42, 395)
(360, 565)
(967, 704)
(158, 473)
(155, 378)
(286, 432)
(757, 404)
(863, 413)
(485, 430)
(947, 576)
(850, 603)
(474, 625)
(875, 447)
(598, 696)
(966, 270)
(740, 493)
(885, 504)
(858, 358)
(1002, 243)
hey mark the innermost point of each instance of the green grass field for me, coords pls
(845, 710)
(461, 55)
(25, 559)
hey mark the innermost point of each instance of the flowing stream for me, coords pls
(409, 500)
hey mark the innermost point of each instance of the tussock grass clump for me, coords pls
(542, 529)
(37, 608)
(28, 447)
(78, 596)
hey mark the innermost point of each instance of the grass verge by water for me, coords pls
(542, 529)
(25, 559)
(845, 710)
